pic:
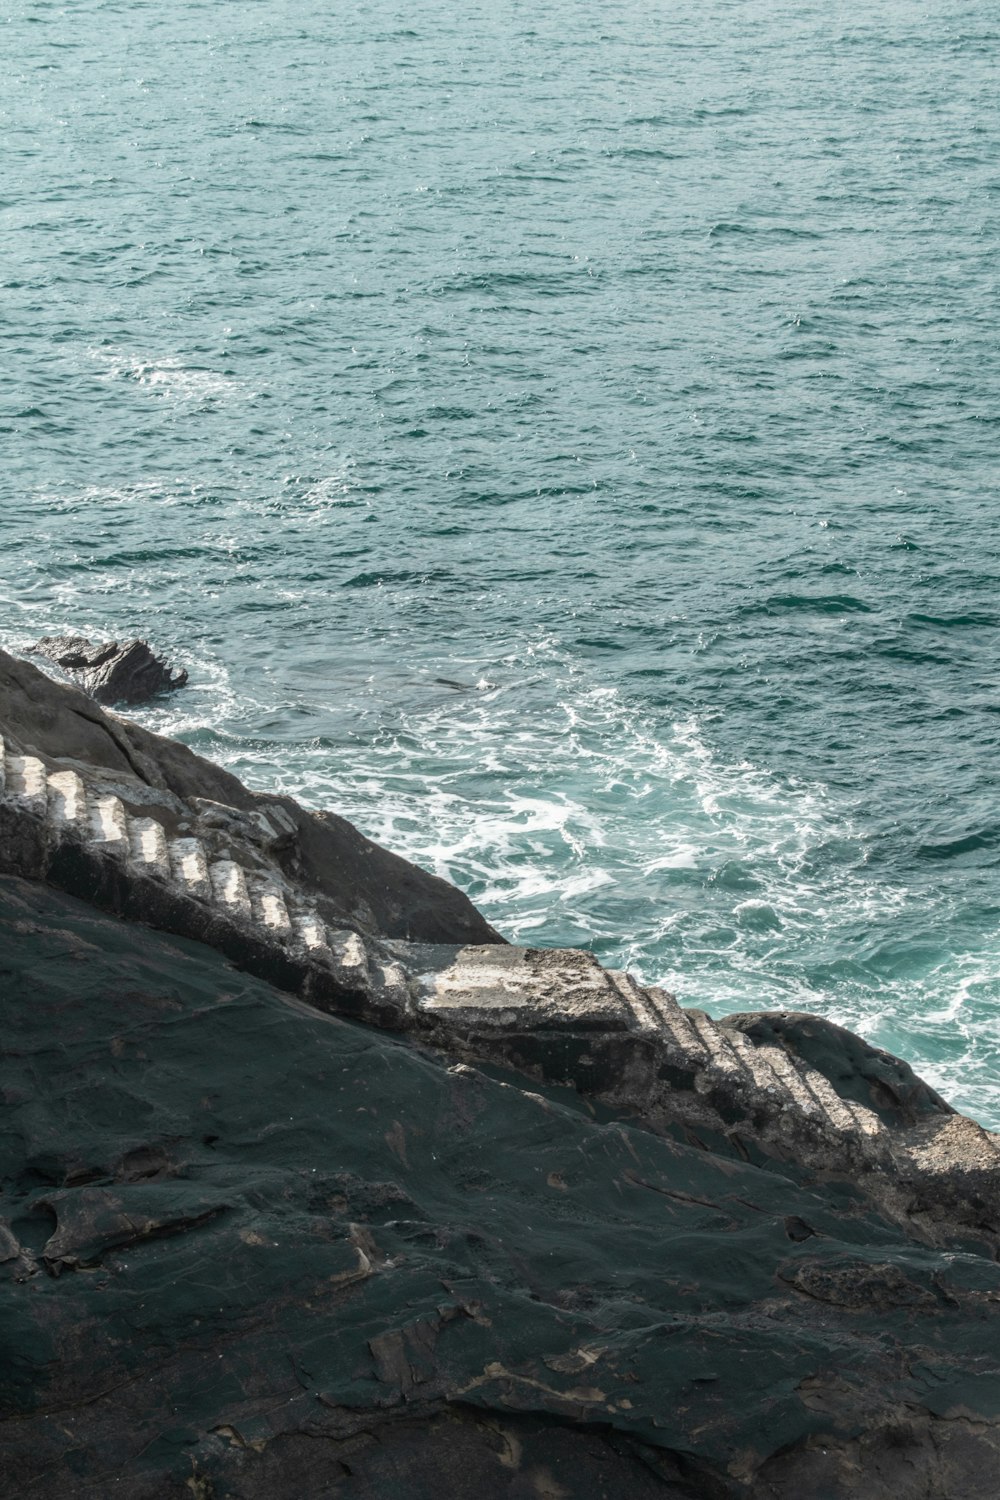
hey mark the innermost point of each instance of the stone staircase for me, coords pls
(63, 800)
(520, 1005)
(205, 865)
(218, 874)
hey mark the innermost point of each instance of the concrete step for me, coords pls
(190, 867)
(27, 780)
(229, 884)
(765, 1079)
(866, 1121)
(722, 1062)
(349, 951)
(391, 976)
(837, 1112)
(147, 842)
(310, 931)
(268, 907)
(3, 766)
(109, 824)
(643, 1011)
(657, 1012)
(675, 1024)
(797, 1092)
(67, 799)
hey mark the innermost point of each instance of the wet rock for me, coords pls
(112, 672)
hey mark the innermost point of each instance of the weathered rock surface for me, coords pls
(438, 1212)
(253, 1252)
(112, 672)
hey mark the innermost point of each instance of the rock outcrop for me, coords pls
(402, 1209)
(110, 672)
(123, 796)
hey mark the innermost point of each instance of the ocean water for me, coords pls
(565, 440)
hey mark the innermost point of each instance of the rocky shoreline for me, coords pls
(528, 1229)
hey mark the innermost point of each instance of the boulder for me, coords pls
(112, 672)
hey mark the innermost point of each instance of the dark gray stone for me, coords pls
(112, 672)
(251, 1252)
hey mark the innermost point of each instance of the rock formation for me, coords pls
(111, 672)
(353, 1198)
(123, 793)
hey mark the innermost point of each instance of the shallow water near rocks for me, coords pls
(564, 443)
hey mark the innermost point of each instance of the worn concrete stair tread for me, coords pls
(268, 907)
(27, 778)
(349, 950)
(148, 845)
(230, 886)
(756, 1063)
(866, 1120)
(189, 864)
(109, 823)
(845, 1117)
(646, 1015)
(722, 1061)
(391, 976)
(309, 930)
(792, 1082)
(67, 798)
(492, 987)
(658, 1013)
(676, 1024)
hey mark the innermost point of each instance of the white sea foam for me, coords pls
(587, 800)
(594, 831)
(168, 375)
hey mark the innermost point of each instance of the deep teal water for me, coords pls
(563, 439)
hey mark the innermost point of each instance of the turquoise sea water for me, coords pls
(563, 439)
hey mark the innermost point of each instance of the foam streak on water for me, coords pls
(564, 442)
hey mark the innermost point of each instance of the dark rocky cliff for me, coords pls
(432, 1218)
